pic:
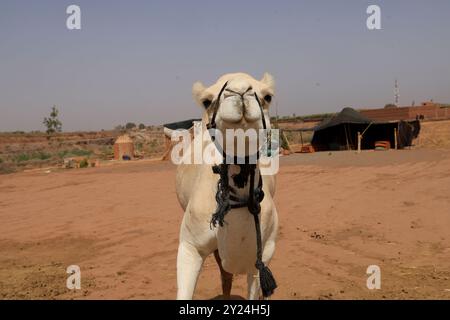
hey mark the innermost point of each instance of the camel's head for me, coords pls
(237, 99)
(237, 105)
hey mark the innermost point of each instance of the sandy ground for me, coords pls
(339, 213)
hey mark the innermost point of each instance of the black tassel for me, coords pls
(266, 279)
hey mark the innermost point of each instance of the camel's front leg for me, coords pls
(226, 277)
(253, 286)
(189, 263)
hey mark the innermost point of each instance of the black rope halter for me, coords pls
(225, 195)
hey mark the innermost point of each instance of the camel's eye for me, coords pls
(206, 103)
(268, 98)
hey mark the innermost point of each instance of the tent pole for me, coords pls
(346, 136)
(395, 138)
(367, 128)
(359, 141)
(301, 138)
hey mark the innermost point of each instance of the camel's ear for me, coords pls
(197, 92)
(269, 81)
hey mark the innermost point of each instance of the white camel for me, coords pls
(238, 101)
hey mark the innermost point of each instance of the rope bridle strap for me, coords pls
(253, 202)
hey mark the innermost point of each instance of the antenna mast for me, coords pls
(396, 93)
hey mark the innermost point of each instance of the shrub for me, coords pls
(106, 152)
(41, 156)
(130, 125)
(22, 157)
(84, 163)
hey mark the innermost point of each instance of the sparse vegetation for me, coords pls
(20, 151)
(152, 146)
(6, 168)
(310, 117)
(24, 157)
(74, 153)
(106, 153)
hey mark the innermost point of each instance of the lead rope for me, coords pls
(266, 279)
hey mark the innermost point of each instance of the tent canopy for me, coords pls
(347, 115)
(186, 124)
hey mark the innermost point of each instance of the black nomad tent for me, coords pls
(340, 132)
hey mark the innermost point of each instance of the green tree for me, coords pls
(130, 125)
(52, 122)
(142, 126)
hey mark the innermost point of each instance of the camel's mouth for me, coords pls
(240, 139)
(241, 123)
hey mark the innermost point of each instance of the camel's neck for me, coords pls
(238, 175)
(239, 180)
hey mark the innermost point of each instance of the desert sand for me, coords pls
(339, 213)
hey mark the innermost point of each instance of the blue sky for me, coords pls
(136, 60)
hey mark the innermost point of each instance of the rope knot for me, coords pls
(216, 169)
(254, 207)
(219, 216)
(259, 195)
(259, 265)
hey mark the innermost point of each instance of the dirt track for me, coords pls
(339, 213)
